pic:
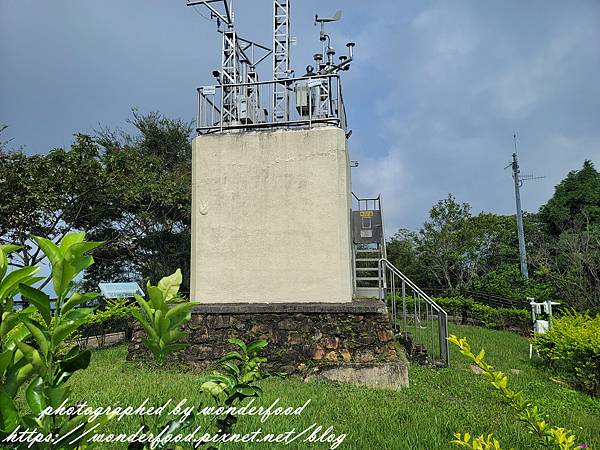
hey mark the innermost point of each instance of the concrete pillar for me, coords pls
(271, 217)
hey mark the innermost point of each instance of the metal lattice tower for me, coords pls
(230, 74)
(281, 59)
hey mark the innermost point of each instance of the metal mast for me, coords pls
(519, 180)
(281, 59)
(521, 232)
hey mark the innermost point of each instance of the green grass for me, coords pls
(438, 402)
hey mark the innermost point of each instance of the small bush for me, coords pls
(115, 317)
(499, 318)
(572, 345)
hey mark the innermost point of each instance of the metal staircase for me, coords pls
(368, 246)
(422, 323)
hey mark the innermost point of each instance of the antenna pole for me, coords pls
(281, 59)
(521, 232)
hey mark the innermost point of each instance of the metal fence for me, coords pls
(485, 298)
(311, 100)
(421, 321)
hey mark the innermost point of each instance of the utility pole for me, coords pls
(519, 179)
(522, 250)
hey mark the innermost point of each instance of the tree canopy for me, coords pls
(131, 191)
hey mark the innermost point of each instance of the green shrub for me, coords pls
(115, 317)
(572, 345)
(161, 321)
(469, 310)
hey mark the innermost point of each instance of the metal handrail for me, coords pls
(442, 316)
(213, 115)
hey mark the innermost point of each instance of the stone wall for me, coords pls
(300, 336)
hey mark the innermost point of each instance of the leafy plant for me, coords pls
(572, 345)
(48, 361)
(114, 317)
(162, 322)
(15, 369)
(242, 368)
(549, 436)
(468, 309)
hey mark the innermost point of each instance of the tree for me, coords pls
(133, 192)
(151, 177)
(401, 250)
(456, 250)
(48, 195)
(571, 259)
(447, 244)
(576, 201)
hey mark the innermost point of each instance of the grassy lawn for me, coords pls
(438, 403)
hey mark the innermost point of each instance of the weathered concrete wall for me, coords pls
(271, 217)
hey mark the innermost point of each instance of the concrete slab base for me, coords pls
(387, 375)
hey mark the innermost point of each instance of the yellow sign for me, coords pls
(366, 213)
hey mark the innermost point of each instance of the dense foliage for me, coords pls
(572, 345)
(499, 318)
(131, 191)
(456, 251)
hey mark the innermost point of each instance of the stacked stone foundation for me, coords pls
(301, 336)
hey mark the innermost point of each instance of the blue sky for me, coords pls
(433, 98)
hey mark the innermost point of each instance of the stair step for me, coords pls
(367, 259)
(367, 278)
(367, 250)
(367, 269)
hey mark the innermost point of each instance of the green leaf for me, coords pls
(169, 286)
(219, 378)
(79, 249)
(6, 250)
(35, 395)
(257, 345)
(231, 368)
(9, 416)
(40, 336)
(180, 313)
(56, 395)
(156, 298)
(231, 355)
(77, 299)
(247, 390)
(17, 374)
(9, 322)
(10, 284)
(144, 304)
(70, 239)
(5, 360)
(241, 344)
(33, 357)
(50, 249)
(145, 324)
(78, 362)
(65, 328)
(39, 299)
